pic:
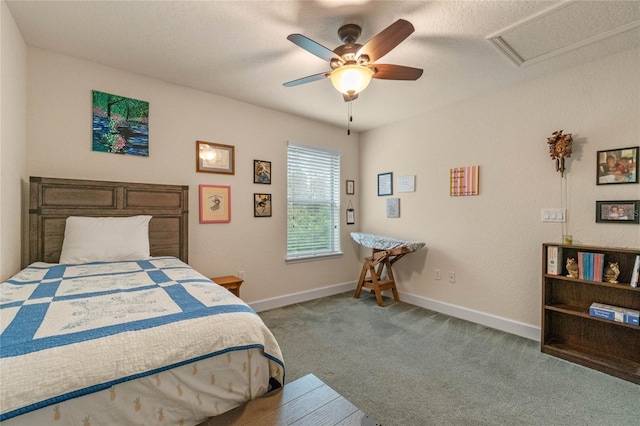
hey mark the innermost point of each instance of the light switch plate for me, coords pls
(553, 215)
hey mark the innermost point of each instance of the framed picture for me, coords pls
(262, 172)
(393, 207)
(464, 181)
(261, 205)
(215, 158)
(351, 187)
(407, 184)
(215, 204)
(351, 216)
(385, 184)
(617, 166)
(618, 211)
(120, 124)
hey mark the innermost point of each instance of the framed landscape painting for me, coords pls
(120, 124)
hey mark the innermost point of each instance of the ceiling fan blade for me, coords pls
(385, 40)
(395, 72)
(313, 47)
(307, 79)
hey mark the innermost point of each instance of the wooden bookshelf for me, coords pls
(570, 333)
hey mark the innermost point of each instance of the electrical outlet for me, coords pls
(436, 274)
(452, 277)
(241, 275)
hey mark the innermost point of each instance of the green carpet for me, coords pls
(406, 365)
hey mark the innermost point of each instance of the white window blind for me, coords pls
(313, 202)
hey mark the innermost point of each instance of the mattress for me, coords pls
(136, 342)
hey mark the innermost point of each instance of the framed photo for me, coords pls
(618, 211)
(215, 204)
(617, 166)
(215, 158)
(262, 172)
(261, 205)
(385, 184)
(351, 216)
(393, 207)
(351, 187)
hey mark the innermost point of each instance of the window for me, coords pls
(313, 202)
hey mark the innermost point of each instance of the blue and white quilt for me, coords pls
(71, 330)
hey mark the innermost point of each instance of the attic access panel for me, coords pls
(564, 27)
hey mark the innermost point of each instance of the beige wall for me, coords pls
(13, 90)
(59, 141)
(493, 241)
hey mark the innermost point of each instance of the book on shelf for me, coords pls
(554, 258)
(614, 313)
(598, 266)
(635, 275)
(631, 316)
(590, 266)
(608, 312)
(581, 265)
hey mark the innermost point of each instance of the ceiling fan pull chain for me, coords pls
(350, 118)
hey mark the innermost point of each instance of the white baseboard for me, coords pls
(303, 296)
(499, 323)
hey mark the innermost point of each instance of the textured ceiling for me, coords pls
(239, 49)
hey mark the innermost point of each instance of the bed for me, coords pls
(88, 339)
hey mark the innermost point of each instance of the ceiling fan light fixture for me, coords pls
(351, 79)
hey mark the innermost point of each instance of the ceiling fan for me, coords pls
(352, 64)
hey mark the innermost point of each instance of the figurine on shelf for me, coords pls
(611, 273)
(572, 267)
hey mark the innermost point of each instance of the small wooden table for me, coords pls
(230, 282)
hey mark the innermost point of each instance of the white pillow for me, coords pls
(105, 239)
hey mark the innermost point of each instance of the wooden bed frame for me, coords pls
(52, 200)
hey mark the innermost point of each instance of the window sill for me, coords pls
(313, 258)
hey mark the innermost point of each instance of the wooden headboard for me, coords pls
(52, 200)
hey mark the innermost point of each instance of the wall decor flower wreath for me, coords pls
(560, 146)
